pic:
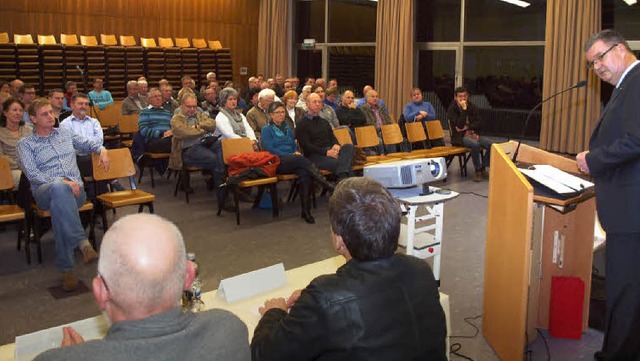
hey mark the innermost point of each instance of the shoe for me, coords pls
(307, 217)
(477, 177)
(90, 255)
(69, 281)
(117, 186)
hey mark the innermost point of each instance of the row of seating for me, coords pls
(49, 64)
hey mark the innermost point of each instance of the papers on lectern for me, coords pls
(560, 182)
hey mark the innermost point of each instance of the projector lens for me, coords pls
(435, 169)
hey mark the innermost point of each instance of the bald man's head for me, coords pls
(143, 264)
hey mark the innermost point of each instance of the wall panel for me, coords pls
(233, 22)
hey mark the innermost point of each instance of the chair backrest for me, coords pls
(199, 43)
(22, 39)
(233, 146)
(6, 179)
(367, 136)
(88, 40)
(343, 136)
(391, 134)
(127, 40)
(183, 43)
(434, 129)
(415, 132)
(165, 42)
(108, 39)
(128, 123)
(110, 116)
(46, 40)
(148, 42)
(69, 39)
(215, 44)
(4, 38)
(120, 165)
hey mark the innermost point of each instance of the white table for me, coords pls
(422, 235)
(246, 310)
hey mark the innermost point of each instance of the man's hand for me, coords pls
(352, 105)
(332, 153)
(273, 303)
(424, 114)
(463, 104)
(168, 133)
(581, 160)
(70, 337)
(293, 298)
(104, 159)
(75, 188)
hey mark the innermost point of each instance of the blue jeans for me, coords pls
(58, 198)
(476, 146)
(207, 158)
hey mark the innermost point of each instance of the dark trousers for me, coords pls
(340, 165)
(295, 164)
(159, 145)
(622, 285)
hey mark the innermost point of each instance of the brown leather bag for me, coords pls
(359, 156)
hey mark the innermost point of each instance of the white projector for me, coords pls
(408, 173)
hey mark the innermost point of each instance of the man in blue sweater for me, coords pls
(154, 124)
(417, 109)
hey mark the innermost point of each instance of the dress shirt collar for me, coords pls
(627, 71)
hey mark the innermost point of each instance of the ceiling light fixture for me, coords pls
(524, 4)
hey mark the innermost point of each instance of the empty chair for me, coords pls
(215, 45)
(148, 42)
(183, 43)
(127, 40)
(68, 39)
(11, 213)
(165, 42)
(392, 135)
(4, 38)
(108, 40)
(367, 137)
(199, 43)
(88, 40)
(22, 39)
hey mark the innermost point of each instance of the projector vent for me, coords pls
(405, 174)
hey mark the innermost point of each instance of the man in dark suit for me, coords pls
(613, 159)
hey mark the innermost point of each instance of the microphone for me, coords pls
(80, 69)
(580, 84)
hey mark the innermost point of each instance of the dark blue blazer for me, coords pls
(614, 158)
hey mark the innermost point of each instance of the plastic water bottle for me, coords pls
(191, 298)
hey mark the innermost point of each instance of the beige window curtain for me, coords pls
(394, 53)
(273, 38)
(568, 120)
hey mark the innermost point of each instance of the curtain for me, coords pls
(273, 38)
(394, 53)
(569, 119)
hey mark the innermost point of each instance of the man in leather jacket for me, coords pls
(380, 305)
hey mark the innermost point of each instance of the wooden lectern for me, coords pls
(522, 230)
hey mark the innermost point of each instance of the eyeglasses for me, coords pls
(600, 57)
(103, 281)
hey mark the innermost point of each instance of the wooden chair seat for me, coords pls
(87, 206)
(11, 213)
(286, 177)
(257, 182)
(381, 158)
(126, 198)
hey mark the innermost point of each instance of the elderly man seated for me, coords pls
(141, 275)
(48, 159)
(376, 115)
(134, 102)
(257, 116)
(381, 305)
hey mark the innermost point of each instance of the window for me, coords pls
(493, 20)
(437, 20)
(352, 66)
(352, 22)
(309, 17)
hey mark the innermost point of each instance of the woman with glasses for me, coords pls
(277, 138)
(12, 129)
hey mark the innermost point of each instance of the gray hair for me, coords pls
(225, 94)
(131, 83)
(265, 93)
(609, 37)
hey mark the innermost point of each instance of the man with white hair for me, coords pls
(363, 100)
(211, 76)
(257, 116)
(133, 103)
(141, 274)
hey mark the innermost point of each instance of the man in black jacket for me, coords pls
(380, 305)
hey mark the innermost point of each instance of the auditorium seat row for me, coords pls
(49, 64)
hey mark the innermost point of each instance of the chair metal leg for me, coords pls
(236, 201)
(103, 212)
(153, 183)
(274, 200)
(92, 231)
(256, 200)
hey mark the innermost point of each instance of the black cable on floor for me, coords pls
(455, 347)
(474, 194)
(546, 345)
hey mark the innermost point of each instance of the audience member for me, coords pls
(310, 81)
(15, 86)
(71, 89)
(304, 93)
(348, 114)
(380, 305)
(26, 94)
(168, 103)
(211, 76)
(363, 100)
(143, 90)
(316, 139)
(294, 113)
(252, 100)
(89, 128)
(327, 113)
(141, 274)
(288, 85)
(331, 98)
(321, 82)
(188, 82)
(466, 129)
(56, 97)
(134, 102)
(377, 115)
(5, 87)
(257, 116)
(295, 84)
(278, 139)
(3, 97)
(12, 129)
(47, 156)
(210, 105)
(154, 124)
(190, 128)
(417, 109)
(100, 97)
